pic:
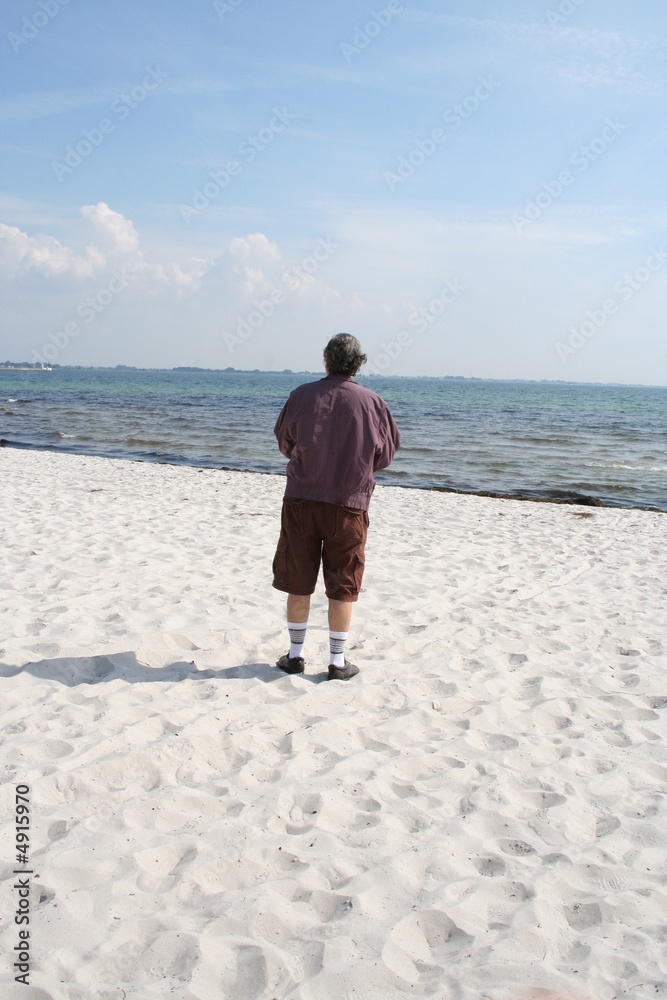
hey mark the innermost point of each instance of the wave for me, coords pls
(625, 467)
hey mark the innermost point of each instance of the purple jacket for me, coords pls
(336, 434)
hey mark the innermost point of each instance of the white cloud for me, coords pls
(113, 232)
(254, 262)
(42, 260)
(225, 284)
(256, 244)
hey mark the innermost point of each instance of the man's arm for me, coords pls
(285, 441)
(390, 442)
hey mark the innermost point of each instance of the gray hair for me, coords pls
(342, 355)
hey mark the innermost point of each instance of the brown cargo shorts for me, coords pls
(312, 532)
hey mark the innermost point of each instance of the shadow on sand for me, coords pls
(124, 666)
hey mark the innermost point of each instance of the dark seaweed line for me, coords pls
(535, 496)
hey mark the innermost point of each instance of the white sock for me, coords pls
(297, 637)
(337, 642)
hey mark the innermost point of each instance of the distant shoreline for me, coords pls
(24, 368)
(185, 369)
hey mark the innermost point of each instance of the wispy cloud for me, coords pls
(609, 76)
(596, 56)
(46, 104)
(25, 151)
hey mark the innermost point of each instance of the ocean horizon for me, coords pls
(28, 366)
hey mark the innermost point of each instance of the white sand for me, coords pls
(480, 814)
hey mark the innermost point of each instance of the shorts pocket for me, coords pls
(350, 522)
(293, 512)
(280, 561)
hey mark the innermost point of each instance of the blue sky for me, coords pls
(470, 188)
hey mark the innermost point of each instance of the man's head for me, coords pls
(342, 355)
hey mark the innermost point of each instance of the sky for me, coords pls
(472, 189)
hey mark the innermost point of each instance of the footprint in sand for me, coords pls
(48, 650)
(329, 906)
(581, 916)
(557, 859)
(467, 807)
(421, 940)
(498, 741)
(281, 861)
(162, 867)
(14, 728)
(366, 808)
(531, 687)
(52, 749)
(57, 830)
(516, 847)
(172, 954)
(616, 736)
(403, 791)
(549, 800)
(303, 815)
(250, 979)
(453, 762)
(605, 825)
(490, 867)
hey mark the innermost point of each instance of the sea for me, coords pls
(559, 441)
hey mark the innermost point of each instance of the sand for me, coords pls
(481, 814)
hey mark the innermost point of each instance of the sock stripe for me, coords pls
(297, 636)
(337, 642)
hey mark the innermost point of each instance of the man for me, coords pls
(336, 434)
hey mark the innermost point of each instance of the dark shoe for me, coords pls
(343, 673)
(292, 664)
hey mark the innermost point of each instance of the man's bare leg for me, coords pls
(340, 615)
(298, 608)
